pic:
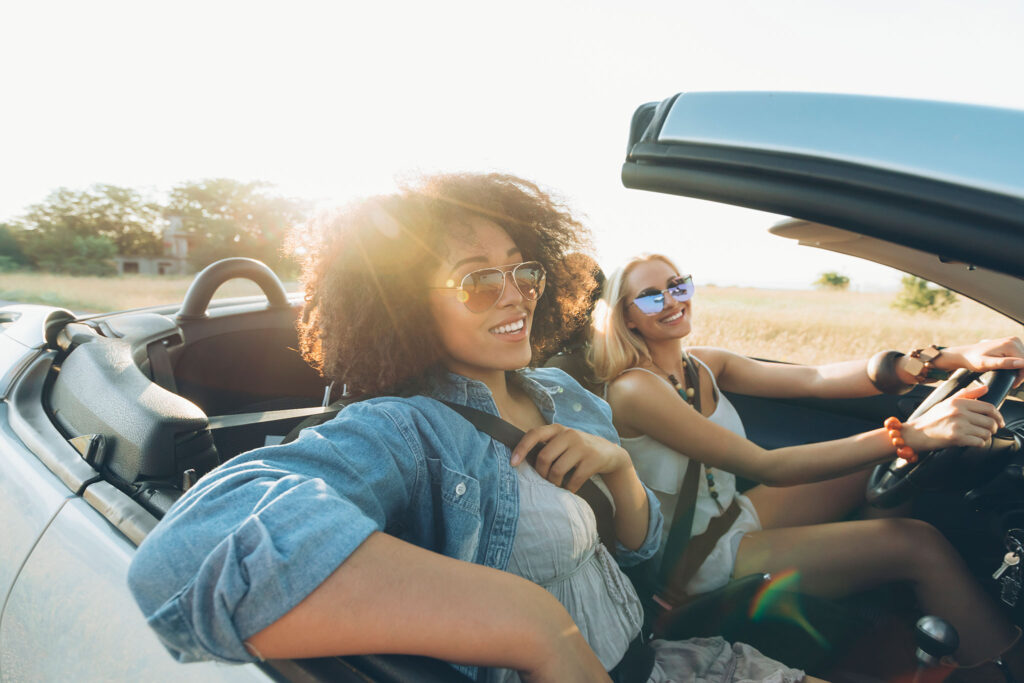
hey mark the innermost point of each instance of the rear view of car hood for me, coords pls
(998, 291)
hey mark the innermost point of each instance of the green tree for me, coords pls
(831, 280)
(69, 226)
(917, 295)
(226, 217)
(11, 255)
(92, 256)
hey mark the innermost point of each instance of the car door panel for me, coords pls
(71, 598)
(776, 423)
(30, 496)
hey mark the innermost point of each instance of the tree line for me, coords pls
(79, 232)
(916, 294)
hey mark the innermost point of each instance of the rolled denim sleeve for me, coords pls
(253, 538)
(629, 558)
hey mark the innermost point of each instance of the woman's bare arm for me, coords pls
(632, 510)
(847, 379)
(733, 372)
(644, 403)
(390, 596)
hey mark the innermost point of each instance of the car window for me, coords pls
(827, 325)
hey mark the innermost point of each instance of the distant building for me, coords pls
(173, 262)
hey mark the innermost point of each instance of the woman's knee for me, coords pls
(914, 542)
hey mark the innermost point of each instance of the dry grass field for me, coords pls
(820, 326)
(97, 294)
(794, 325)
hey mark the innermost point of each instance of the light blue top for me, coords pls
(254, 537)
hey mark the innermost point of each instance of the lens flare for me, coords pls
(779, 599)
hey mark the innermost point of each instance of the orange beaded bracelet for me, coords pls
(902, 449)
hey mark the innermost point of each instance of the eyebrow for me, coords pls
(481, 259)
(653, 289)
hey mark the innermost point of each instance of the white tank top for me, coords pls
(662, 469)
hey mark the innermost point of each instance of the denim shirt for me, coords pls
(257, 535)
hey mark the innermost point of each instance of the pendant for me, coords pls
(685, 393)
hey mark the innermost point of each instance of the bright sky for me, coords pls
(330, 100)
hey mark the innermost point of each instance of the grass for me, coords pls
(798, 326)
(821, 326)
(98, 294)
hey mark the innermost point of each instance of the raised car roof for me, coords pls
(938, 177)
(969, 145)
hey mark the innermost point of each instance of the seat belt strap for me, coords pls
(160, 369)
(510, 435)
(242, 419)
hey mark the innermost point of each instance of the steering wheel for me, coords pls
(957, 468)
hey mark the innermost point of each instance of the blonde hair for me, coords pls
(614, 347)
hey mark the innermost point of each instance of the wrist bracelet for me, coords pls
(922, 364)
(882, 372)
(896, 437)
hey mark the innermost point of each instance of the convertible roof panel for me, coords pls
(969, 145)
(943, 178)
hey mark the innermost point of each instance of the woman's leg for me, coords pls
(846, 557)
(817, 503)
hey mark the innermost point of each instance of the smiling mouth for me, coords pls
(674, 317)
(509, 328)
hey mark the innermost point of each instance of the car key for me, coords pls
(1009, 572)
(1010, 559)
(1010, 584)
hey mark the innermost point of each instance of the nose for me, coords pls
(510, 294)
(668, 296)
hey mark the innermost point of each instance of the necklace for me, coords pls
(690, 395)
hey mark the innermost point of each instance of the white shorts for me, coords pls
(717, 569)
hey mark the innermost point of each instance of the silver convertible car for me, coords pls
(106, 419)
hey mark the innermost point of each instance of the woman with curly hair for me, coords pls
(399, 526)
(688, 444)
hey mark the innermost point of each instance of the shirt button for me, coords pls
(460, 488)
(577, 407)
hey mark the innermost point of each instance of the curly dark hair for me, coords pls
(366, 269)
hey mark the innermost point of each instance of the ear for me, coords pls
(630, 324)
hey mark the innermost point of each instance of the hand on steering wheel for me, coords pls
(960, 420)
(990, 354)
(977, 455)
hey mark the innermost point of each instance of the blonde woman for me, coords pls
(669, 411)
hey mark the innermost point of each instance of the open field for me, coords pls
(793, 325)
(97, 294)
(819, 326)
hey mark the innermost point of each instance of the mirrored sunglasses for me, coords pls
(481, 289)
(680, 289)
